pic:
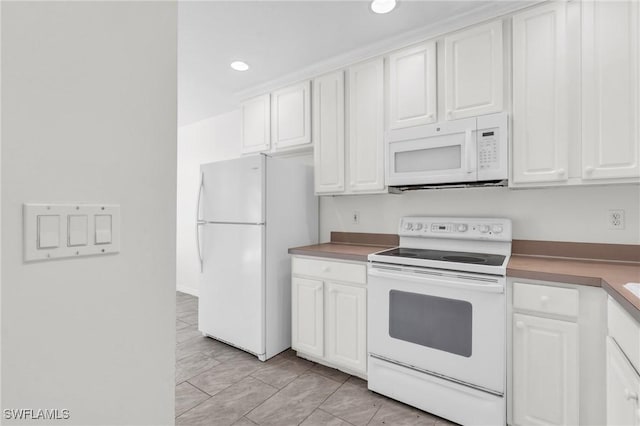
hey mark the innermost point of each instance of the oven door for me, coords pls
(439, 153)
(445, 323)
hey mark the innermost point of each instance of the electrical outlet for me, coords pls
(615, 219)
(355, 218)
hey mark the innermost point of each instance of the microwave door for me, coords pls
(433, 154)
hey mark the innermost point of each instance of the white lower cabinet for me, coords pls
(329, 313)
(308, 320)
(556, 354)
(545, 371)
(623, 388)
(346, 327)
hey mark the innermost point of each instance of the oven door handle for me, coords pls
(479, 287)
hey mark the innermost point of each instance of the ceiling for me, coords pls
(277, 38)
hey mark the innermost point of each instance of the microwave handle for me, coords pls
(472, 154)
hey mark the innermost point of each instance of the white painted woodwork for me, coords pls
(625, 330)
(623, 388)
(307, 323)
(366, 127)
(540, 95)
(546, 299)
(345, 326)
(291, 116)
(473, 71)
(610, 89)
(329, 270)
(412, 86)
(256, 124)
(328, 133)
(545, 371)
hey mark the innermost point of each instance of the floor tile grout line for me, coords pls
(195, 406)
(338, 417)
(324, 400)
(201, 390)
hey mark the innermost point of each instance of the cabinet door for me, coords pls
(256, 127)
(545, 371)
(473, 71)
(291, 116)
(412, 86)
(346, 322)
(623, 386)
(328, 133)
(307, 316)
(610, 89)
(540, 90)
(366, 126)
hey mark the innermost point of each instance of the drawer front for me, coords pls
(625, 331)
(330, 270)
(546, 299)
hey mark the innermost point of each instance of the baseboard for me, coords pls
(189, 290)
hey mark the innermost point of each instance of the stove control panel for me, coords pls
(498, 229)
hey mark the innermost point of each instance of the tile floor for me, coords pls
(217, 384)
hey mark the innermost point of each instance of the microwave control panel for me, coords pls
(488, 146)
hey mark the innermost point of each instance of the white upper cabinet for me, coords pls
(610, 89)
(474, 71)
(328, 133)
(412, 86)
(256, 129)
(291, 116)
(540, 91)
(366, 127)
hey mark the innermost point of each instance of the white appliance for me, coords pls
(437, 317)
(454, 152)
(250, 211)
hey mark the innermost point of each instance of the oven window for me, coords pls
(434, 322)
(427, 160)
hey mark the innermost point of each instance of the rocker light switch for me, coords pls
(48, 231)
(56, 231)
(78, 230)
(103, 228)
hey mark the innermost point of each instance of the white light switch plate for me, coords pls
(71, 243)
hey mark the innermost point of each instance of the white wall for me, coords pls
(214, 139)
(555, 214)
(89, 116)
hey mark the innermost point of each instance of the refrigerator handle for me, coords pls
(199, 197)
(199, 222)
(199, 249)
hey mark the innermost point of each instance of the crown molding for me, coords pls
(454, 23)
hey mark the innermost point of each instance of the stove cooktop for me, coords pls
(445, 256)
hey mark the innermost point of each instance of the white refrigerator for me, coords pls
(250, 211)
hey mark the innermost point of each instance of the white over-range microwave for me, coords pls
(454, 152)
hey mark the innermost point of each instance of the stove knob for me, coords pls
(484, 229)
(462, 227)
(418, 226)
(408, 226)
(496, 229)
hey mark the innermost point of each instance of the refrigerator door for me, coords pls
(233, 191)
(231, 302)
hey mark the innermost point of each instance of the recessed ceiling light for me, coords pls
(239, 66)
(383, 6)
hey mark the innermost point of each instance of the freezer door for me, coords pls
(233, 190)
(231, 302)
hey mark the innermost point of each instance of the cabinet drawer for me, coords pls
(328, 270)
(625, 331)
(546, 299)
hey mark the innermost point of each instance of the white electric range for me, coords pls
(437, 317)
